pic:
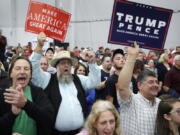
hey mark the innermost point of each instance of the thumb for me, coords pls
(19, 88)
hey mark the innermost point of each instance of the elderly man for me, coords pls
(138, 111)
(66, 91)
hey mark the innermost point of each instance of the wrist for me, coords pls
(40, 44)
(38, 49)
(24, 103)
(131, 59)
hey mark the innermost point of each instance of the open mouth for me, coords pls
(21, 80)
(66, 70)
(107, 133)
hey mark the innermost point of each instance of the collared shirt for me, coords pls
(138, 115)
(70, 116)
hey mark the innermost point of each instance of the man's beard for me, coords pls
(117, 67)
(108, 68)
(64, 78)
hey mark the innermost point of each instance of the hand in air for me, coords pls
(41, 38)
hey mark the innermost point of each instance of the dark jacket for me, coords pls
(162, 70)
(4, 80)
(40, 110)
(53, 92)
(3, 44)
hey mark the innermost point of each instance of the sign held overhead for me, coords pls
(148, 25)
(48, 19)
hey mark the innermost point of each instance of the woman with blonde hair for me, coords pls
(102, 120)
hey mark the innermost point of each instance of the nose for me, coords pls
(156, 84)
(109, 126)
(22, 70)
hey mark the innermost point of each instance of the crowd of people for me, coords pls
(86, 92)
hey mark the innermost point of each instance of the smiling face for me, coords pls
(20, 73)
(81, 70)
(106, 123)
(149, 88)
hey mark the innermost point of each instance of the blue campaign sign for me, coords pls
(148, 25)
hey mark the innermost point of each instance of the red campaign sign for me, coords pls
(48, 19)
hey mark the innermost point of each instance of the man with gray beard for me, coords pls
(65, 90)
(65, 79)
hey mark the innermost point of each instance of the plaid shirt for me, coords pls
(138, 115)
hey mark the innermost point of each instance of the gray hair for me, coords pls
(144, 75)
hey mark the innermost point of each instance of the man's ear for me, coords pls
(167, 117)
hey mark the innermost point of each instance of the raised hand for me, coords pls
(90, 57)
(41, 38)
(133, 50)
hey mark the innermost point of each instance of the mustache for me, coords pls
(155, 87)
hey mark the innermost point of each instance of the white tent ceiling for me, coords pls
(89, 24)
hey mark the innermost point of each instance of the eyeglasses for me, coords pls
(175, 111)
